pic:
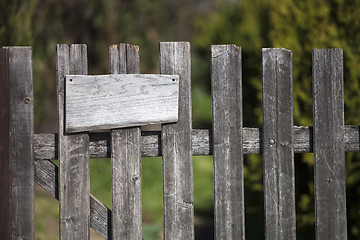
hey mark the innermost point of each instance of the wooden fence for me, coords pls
(26, 156)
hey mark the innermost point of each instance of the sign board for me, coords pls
(119, 100)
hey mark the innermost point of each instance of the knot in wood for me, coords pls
(135, 178)
(27, 100)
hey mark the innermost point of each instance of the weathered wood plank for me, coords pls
(303, 139)
(100, 218)
(278, 148)
(329, 144)
(201, 142)
(176, 147)
(126, 184)
(22, 134)
(45, 145)
(352, 138)
(46, 175)
(74, 174)
(226, 81)
(126, 156)
(117, 58)
(5, 151)
(120, 100)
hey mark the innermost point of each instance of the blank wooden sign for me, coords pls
(119, 100)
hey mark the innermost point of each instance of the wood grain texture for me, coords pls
(226, 84)
(352, 138)
(46, 146)
(22, 134)
(120, 100)
(5, 151)
(126, 155)
(126, 184)
(100, 218)
(74, 173)
(278, 148)
(177, 147)
(46, 175)
(329, 144)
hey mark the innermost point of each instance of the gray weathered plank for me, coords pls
(126, 184)
(117, 58)
(352, 138)
(201, 142)
(176, 147)
(120, 100)
(100, 218)
(22, 134)
(226, 83)
(5, 151)
(45, 145)
(329, 144)
(126, 154)
(46, 175)
(278, 148)
(74, 174)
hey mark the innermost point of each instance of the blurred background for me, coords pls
(252, 24)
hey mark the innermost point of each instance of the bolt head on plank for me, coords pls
(102, 102)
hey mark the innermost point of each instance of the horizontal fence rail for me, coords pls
(46, 146)
(228, 141)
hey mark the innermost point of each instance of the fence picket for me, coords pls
(329, 144)
(226, 77)
(45, 146)
(126, 158)
(22, 134)
(5, 150)
(176, 147)
(74, 173)
(278, 148)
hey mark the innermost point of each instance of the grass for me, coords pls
(46, 215)
(46, 208)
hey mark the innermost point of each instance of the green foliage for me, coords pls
(16, 27)
(46, 216)
(152, 190)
